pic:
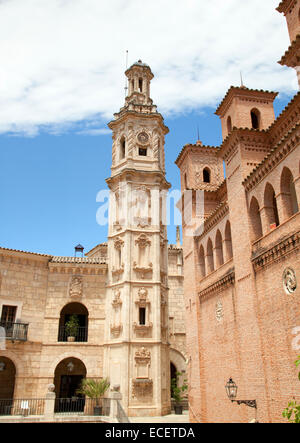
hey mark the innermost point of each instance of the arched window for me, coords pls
(270, 204)
(228, 242)
(229, 125)
(202, 261)
(219, 250)
(210, 257)
(122, 148)
(68, 376)
(206, 175)
(288, 192)
(255, 119)
(140, 85)
(256, 226)
(74, 313)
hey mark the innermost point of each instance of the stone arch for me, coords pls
(68, 375)
(228, 241)
(255, 218)
(82, 314)
(201, 259)
(270, 206)
(219, 249)
(7, 379)
(210, 256)
(255, 118)
(288, 194)
(178, 360)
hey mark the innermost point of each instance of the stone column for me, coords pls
(284, 206)
(265, 219)
(297, 189)
(114, 396)
(50, 403)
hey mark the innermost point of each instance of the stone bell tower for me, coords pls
(136, 336)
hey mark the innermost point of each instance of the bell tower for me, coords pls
(136, 335)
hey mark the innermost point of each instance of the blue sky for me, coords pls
(49, 183)
(62, 78)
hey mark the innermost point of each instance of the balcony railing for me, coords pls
(81, 336)
(15, 331)
(24, 407)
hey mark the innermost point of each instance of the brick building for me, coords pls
(241, 243)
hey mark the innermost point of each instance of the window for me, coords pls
(143, 152)
(255, 119)
(206, 175)
(8, 314)
(122, 148)
(256, 225)
(229, 125)
(140, 85)
(142, 316)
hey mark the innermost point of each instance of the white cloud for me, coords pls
(63, 61)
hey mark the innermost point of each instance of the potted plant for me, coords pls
(94, 389)
(72, 327)
(177, 392)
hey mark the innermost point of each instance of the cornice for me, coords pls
(276, 252)
(218, 214)
(244, 93)
(291, 57)
(195, 149)
(127, 114)
(289, 142)
(218, 286)
(286, 5)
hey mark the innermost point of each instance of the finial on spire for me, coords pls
(242, 81)
(126, 81)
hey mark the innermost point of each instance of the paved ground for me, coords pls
(184, 418)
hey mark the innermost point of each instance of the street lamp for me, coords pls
(231, 389)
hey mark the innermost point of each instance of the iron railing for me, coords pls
(81, 336)
(82, 406)
(15, 331)
(24, 407)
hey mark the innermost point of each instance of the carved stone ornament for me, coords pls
(289, 281)
(143, 356)
(219, 311)
(76, 286)
(118, 243)
(143, 138)
(142, 241)
(117, 299)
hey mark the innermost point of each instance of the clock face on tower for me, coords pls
(143, 138)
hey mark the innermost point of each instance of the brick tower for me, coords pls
(291, 10)
(137, 350)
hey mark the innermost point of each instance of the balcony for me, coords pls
(15, 331)
(81, 336)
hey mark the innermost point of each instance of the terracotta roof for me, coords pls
(105, 244)
(25, 252)
(80, 260)
(244, 91)
(261, 164)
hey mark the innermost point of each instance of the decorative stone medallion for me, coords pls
(219, 311)
(143, 138)
(289, 281)
(76, 286)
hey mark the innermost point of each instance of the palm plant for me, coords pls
(94, 389)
